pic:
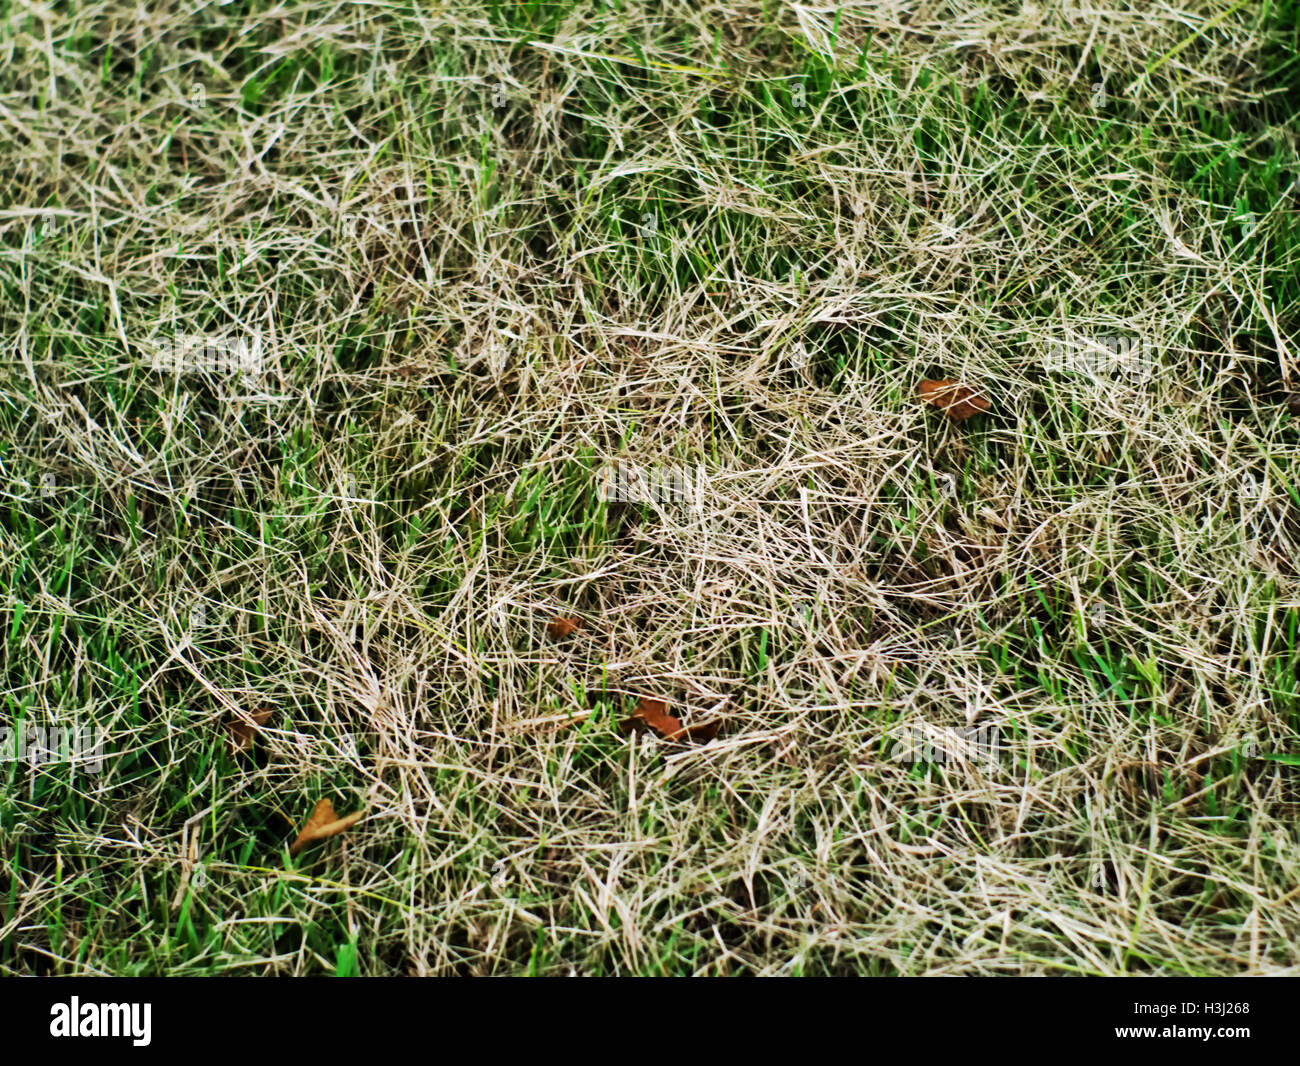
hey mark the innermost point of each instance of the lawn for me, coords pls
(347, 348)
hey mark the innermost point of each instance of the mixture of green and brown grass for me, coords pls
(478, 253)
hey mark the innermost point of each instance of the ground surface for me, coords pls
(1009, 695)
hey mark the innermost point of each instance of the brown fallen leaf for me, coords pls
(562, 627)
(241, 731)
(654, 713)
(322, 824)
(956, 400)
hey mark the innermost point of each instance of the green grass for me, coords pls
(491, 249)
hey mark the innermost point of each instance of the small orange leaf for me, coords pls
(241, 730)
(654, 713)
(322, 824)
(562, 627)
(956, 400)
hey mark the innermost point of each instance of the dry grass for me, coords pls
(489, 252)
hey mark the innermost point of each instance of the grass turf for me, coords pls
(480, 252)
